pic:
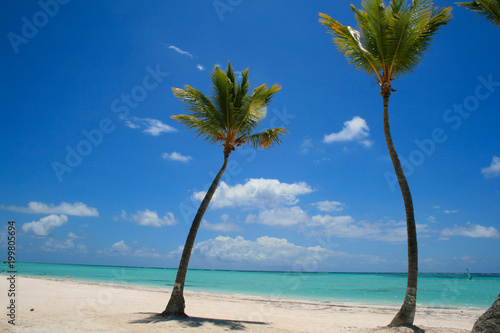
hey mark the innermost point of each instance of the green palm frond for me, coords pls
(231, 114)
(390, 40)
(204, 129)
(490, 9)
(349, 44)
(267, 138)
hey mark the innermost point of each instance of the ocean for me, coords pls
(434, 290)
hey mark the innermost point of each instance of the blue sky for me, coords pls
(95, 171)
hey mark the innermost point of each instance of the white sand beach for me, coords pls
(48, 305)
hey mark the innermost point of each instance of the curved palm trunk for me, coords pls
(406, 314)
(176, 304)
(490, 320)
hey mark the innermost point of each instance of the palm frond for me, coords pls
(222, 95)
(255, 111)
(490, 9)
(205, 130)
(231, 114)
(197, 103)
(391, 39)
(267, 138)
(349, 44)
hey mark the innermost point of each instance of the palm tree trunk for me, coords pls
(176, 304)
(490, 320)
(406, 314)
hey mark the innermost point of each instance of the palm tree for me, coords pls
(490, 9)
(229, 117)
(390, 42)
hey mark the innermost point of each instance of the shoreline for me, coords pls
(81, 306)
(250, 297)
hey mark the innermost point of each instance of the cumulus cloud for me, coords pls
(348, 227)
(151, 218)
(52, 245)
(178, 50)
(146, 253)
(150, 126)
(271, 252)
(118, 248)
(329, 206)
(45, 225)
(493, 170)
(447, 211)
(121, 248)
(256, 193)
(175, 156)
(471, 230)
(280, 217)
(35, 207)
(264, 251)
(200, 67)
(355, 129)
(432, 219)
(220, 227)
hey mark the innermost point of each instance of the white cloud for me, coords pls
(493, 170)
(471, 230)
(151, 218)
(468, 260)
(280, 217)
(175, 156)
(256, 193)
(35, 207)
(74, 236)
(200, 67)
(329, 206)
(348, 227)
(45, 225)
(451, 211)
(354, 130)
(122, 249)
(52, 245)
(178, 50)
(306, 146)
(146, 253)
(267, 251)
(150, 126)
(118, 248)
(432, 219)
(220, 227)
(366, 143)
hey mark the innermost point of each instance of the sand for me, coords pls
(49, 305)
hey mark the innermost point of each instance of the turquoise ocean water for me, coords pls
(434, 290)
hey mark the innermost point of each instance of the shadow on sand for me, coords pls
(235, 325)
(415, 329)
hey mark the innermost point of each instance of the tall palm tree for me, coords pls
(229, 117)
(390, 42)
(490, 9)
